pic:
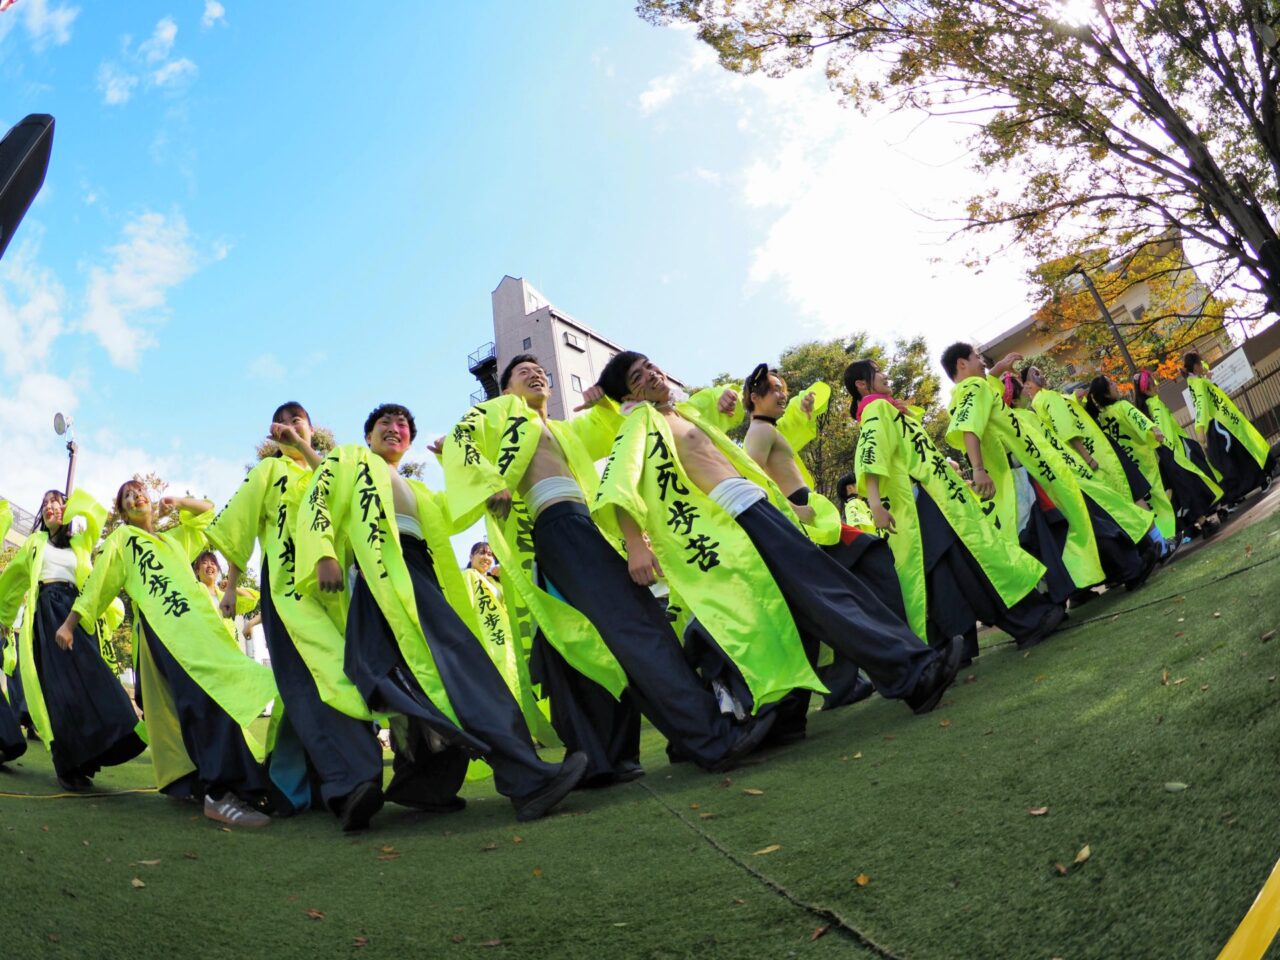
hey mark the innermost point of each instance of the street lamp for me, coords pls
(62, 427)
(1106, 315)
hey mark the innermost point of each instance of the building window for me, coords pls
(576, 381)
(575, 341)
(550, 380)
(526, 343)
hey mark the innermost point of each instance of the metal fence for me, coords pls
(23, 521)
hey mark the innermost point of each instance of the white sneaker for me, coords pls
(233, 811)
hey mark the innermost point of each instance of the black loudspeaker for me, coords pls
(24, 158)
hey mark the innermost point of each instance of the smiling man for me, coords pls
(691, 503)
(604, 645)
(412, 644)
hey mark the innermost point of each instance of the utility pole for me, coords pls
(1106, 315)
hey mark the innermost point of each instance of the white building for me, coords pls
(524, 321)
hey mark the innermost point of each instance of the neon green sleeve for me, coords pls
(707, 403)
(470, 477)
(14, 582)
(234, 531)
(874, 452)
(971, 408)
(315, 536)
(799, 428)
(596, 428)
(106, 580)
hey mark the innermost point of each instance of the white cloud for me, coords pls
(47, 26)
(848, 199)
(173, 72)
(213, 12)
(128, 296)
(116, 84)
(659, 92)
(265, 366)
(708, 176)
(158, 46)
(32, 303)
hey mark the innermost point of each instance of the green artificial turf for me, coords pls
(1144, 692)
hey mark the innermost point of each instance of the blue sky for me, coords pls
(252, 202)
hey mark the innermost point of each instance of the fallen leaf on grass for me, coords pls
(706, 816)
(753, 792)
(457, 938)
(1179, 599)
(537, 871)
(944, 723)
(1164, 677)
(313, 913)
(489, 846)
(819, 932)
(693, 806)
(191, 856)
(136, 883)
(387, 857)
(1269, 635)
(726, 782)
(491, 943)
(1084, 854)
(360, 942)
(292, 898)
(739, 901)
(1059, 869)
(971, 678)
(54, 938)
(149, 863)
(1216, 613)
(1173, 786)
(387, 849)
(517, 839)
(622, 924)
(1182, 619)
(862, 879)
(1204, 686)
(771, 848)
(890, 736)
(1180, 680)
(1037, 811)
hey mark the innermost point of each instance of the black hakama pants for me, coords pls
(1139, 485)
(13, 687)
(1045, 537)
(1191, 496)
(830, 605)
(490, 720)
(586, 716)
(215, 743)
(960, 595)
(342, 751)
(12, 743)
(1241, 474)
(92, 720)
(593, 578)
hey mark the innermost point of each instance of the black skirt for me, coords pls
(92, 719)
(1240, 472)
(1191, 496)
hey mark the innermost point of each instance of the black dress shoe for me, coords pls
(628, 772)
(748, 742)
(1048, 623)
(1150, 558)
(360, 806)
(538, 804)
(936, 677)
(75, 783)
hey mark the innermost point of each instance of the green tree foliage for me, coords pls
(322, 441)
(1099, 125)
(830, 455)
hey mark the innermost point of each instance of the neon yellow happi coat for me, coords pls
(21, 581)
(977, 407)
(348, 514)
(1176, 439)
(503, 647)
(858, 514)
(800, 429)
(1135, 432)
(1134, 520)
(1063, 416)
(264, 510)
(1211, 403)
(893, 446)
(707, 558)
(489, 450)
